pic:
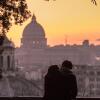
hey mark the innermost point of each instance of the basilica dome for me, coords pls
(33, 35)
(34, 29)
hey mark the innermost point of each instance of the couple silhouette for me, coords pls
(60, 84)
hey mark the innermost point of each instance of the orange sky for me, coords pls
(75, 20)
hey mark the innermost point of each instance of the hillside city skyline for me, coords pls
(60, 19)
(65, 41)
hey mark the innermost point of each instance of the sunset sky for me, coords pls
(74, 20)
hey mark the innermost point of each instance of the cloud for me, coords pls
(97, 39)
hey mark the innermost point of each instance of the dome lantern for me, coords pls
(34, 18)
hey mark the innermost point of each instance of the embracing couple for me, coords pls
(60, 83)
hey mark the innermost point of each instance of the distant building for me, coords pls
(35, 53)
(12, 83)
(88, 80)
(31, 53)
(7, 58)
(33, 36)
(86, 43)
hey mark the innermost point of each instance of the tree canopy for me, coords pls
(94, 2)
(12, 12)
(15, 12)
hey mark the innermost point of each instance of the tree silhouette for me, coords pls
(15, 11)
(12, 12)
(94, 2)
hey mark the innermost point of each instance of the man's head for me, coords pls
(67, 64)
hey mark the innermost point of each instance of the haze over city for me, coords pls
(43, 41)
(74, 20)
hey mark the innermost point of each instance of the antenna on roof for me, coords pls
(66, 39)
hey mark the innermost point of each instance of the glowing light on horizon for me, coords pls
(79, 19)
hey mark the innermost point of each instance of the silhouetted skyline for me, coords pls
(78, 19)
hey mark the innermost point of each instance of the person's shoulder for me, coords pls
(70, 74)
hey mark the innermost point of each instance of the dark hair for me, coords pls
(67, 64)
(53, 68)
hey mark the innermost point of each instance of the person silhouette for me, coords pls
(51, 84)
(69, 83)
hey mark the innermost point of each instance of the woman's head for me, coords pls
(53, 68)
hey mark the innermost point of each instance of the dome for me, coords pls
(33, 35)
(33, 29)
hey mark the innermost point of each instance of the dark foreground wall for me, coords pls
(39, 98)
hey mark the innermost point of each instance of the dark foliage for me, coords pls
(1, 40)
(2, 37)
(12, 12)
(94, 2)
(15, 11)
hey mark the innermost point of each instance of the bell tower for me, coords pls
(7, 57)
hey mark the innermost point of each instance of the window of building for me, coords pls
(1, 61)
(98, 86)
(98, 79)
(37, 42)
(92, 86)
(98, 92)
(91, 79)
(98, 73)
(91, 73)
(8, 62)
(33, 42)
